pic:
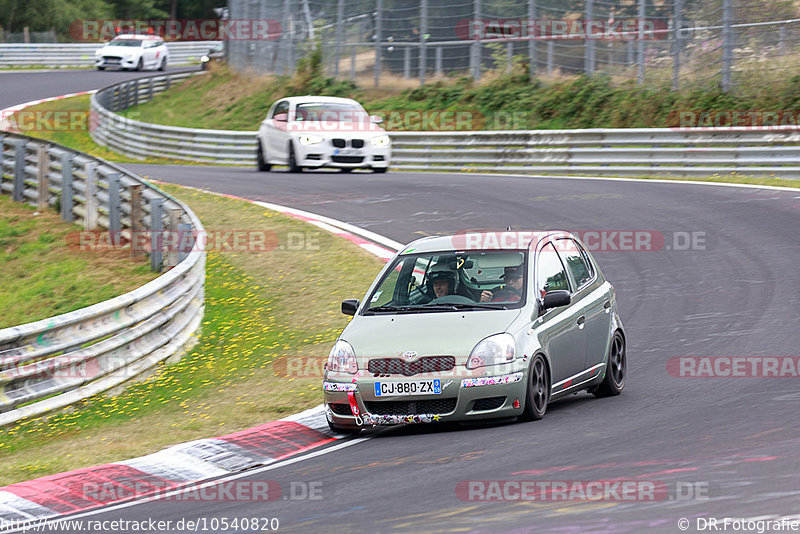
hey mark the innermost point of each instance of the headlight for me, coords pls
(493, 350)
(204, 59)
(342, 359)
(310, 139)
(381, 140)
(98, 53)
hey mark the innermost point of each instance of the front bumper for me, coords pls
(486, 393)
(114, 62)
(325, 155)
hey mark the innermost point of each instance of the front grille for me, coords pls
(396, 366)
(377, 158)
(338, 143)
(314, 156)
(348, 159)
(357, 143)
(112, 58)
(489, 403)
(340, 409)
(436, 406)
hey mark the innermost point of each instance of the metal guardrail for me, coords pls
(765, 151)
(55, 362)
(82, 54)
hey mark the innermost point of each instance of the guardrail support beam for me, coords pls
(90, 201)
(114, 222)
(66, 187)
(156, 235)
(19, 170)
(43, 178)
(136, 220)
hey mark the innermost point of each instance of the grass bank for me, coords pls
(262, 310)
(42, 277)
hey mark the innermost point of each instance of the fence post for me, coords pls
(588, 53)
(90, 203)
(156, 237)
(43, 177)
(475, 57)
(640, 71)
(727, 45)
(407, 62)
(378, 38)
(353, 63)
(337, 46)
(136, 220)
(289, 31)
(550, 45)
(19, 170)
(532, 39)
(114, 223)
(423, 37)
(173, 215)
(66, 187)
(782, 39)
(677, 23)
(439, 51)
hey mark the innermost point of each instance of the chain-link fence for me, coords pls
(677, 42)
(28, 37)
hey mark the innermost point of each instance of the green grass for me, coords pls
(42, 277)
(260, 307)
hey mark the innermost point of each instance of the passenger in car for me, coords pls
(511, 291)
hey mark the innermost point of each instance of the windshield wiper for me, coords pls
(463, 306)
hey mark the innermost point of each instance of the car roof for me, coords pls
(136, 36)
(310, 99)
(481, 240)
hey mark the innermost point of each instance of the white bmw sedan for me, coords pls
(322, 131)
(130, 52)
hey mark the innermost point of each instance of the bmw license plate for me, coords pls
(417, 387)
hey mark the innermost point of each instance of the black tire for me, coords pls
(616, 368)
(347, 430)
(380, 170)
(140, 65)
(163, 65)
(293, 166)
(263, 165)
(538, 391)
(101, 68)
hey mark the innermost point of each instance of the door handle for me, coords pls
(581, 321)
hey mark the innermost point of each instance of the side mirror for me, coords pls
(556, 299)
(281, 117)
(375, 119)
(350, 306)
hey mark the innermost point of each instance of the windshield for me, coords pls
(327, 111)
(126, 42)
(452, 281)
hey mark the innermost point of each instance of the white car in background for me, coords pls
(133, 52)
(306, 132)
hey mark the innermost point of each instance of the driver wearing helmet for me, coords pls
(442, 281)
(511, 292)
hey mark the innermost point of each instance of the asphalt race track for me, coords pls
(722, 447)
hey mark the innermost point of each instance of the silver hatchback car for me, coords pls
(476, 326)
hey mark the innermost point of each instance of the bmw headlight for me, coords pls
(381, 140)
(310, 139)
(342, 358)
(493, 350)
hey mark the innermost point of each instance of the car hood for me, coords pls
(119, 50)
(332, 129)
(428, 334)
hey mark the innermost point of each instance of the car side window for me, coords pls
(282, 107)
(576, 261)
(551, 274)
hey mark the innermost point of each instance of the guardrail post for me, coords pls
(19, 169)
(183, 230)
(175, 241)
(166, 84)
(66, 187)
(136, 220)
(135, 92)
(156, 237)
(90, 202)
(150, 90)
(114, 223)
(43, 178)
